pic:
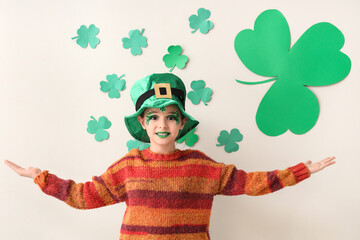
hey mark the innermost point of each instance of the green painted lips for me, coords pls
(163, 134)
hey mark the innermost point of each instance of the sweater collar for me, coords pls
(158, 156)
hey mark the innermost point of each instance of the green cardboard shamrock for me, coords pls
(200, 93)
(97, 128)
(190, 138)
(131, 144)
(199, 21)
(113, 85)
(135, 42)
(314, 60)
(175, 58)
(87, 36)
(230, 139)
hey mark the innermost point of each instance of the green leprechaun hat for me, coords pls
(156, 91)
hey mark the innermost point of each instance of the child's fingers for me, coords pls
(14, 166)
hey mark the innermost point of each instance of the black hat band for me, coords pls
(162, 92)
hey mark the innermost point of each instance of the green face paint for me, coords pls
(176, 117)
(163, 109)
(149, 116)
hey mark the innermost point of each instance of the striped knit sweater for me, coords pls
(167, 196)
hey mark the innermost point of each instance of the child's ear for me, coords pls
(141, 121)
(183, 122)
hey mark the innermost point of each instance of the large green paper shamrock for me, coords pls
(87, 36)
(135, 42)
(200, 93)
(131, 144)
(175, 58)
(314, 60)
(199, 21)
(190, 138)
(97, 128)
(230, 139)
(113, 85)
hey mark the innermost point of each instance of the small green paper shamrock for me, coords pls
(230, 139)
(131, 144)
(190, 138)
(97, 128)
(135, 42)
(200, 93)
(175, 58)
(87, 36)
(199, 21)
(113, 85)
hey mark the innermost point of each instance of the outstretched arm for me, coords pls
(31, 172)
(92, 194)
(236, 182)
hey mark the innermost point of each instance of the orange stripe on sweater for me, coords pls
(183, 171)
(200, 236)
(257, 184)
(180, 184)
(140, 215)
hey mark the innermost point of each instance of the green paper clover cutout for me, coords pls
(135, 42)
(199, 21)
(113, 85)
(190, 138)
(200, 93)
(175, 58)
(97, 128)
(131, 144)
(87, 36)
(314, 60)
(230, 139)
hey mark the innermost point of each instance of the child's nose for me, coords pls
(162, 123)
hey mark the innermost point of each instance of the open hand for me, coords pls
(318, 166)
(31, 172)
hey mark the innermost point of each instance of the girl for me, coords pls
(168, 192)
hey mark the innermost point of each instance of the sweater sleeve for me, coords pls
(93, 194)
(236, 182)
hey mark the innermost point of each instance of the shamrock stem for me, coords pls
(121, 76)
(194, 31)
(75, 37)
(171, 69)
(254, 83)
(219, 145)
(204, 103)
(142, 31)
(93, 118)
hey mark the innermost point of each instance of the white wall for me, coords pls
(49, 88)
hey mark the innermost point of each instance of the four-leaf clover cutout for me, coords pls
(174, 58)
(87, 36)
(98, 128)
(199, 21)
(314, 60)
(230, 139)
(200, 93)
(135, 42)
(113, 85)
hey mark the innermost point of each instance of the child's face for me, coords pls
(162, 126)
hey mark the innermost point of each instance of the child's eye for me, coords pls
(151, 118)
(173, 118)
